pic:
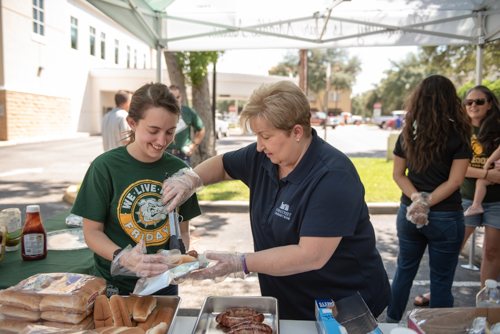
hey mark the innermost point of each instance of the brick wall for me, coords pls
(3, 118)
(30, 115)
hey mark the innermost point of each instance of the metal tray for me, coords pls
(213, 305)
(168, 301)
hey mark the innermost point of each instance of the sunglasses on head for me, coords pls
(478, 102)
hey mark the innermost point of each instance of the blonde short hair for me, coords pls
(282, 104)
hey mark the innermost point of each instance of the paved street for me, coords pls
(39, 173)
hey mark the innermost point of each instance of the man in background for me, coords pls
(182, 146)
(114, 123)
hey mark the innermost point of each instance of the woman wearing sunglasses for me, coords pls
(483, 108)
(430, 160)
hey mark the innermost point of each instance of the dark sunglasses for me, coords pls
(478, 102)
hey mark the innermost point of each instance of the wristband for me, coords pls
(116, 252)
(244, 262)
(485, 175)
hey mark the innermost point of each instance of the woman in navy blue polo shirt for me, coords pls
(311, 229)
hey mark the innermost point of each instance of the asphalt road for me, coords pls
(39, 173)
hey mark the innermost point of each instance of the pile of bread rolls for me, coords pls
(131, 315)
(56, 300)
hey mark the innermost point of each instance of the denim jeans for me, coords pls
(443, 236)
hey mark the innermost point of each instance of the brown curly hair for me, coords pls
(433, 109)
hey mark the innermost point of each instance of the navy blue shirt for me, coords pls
(322, 197)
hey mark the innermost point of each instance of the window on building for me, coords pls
(116, 50)
(334, 97)
(38, 17)
(103, 45)
(135, 58)
(128, 56)
(92, 41)
(74, 33)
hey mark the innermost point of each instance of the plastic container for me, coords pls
(11, 219)
(34, 236)
(489, 296)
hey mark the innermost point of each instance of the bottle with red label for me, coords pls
(34, 237)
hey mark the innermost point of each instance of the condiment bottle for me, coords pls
(34, 237)
(3, 239)
(11, 219)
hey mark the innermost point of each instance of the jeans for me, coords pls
(443, 236)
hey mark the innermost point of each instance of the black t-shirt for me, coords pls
(322, 197)
(438, 172)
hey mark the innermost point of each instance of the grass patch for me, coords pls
(225, 191)
(375, 173)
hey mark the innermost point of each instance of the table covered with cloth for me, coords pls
(14, 269)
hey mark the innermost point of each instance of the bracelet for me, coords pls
(116, 252)
(485, 175)
(244, 262)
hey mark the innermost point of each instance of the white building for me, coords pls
(61, 62)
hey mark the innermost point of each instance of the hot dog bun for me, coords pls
(149, 321)
(130, 302)
(119, 311)
(72, 318)
(103, 316)
(84, 324)
(185, 259)
(161, 328)
(19, 314)
(121, 329)
(27, 301)
(164, 315)
(143, 308)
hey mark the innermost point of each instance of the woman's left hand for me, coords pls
(418, 210)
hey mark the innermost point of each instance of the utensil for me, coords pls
(175, 241)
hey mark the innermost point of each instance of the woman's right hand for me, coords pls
(493, 175)
(180, 187)
(133, 261)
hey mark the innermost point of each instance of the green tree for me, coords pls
(192, 68)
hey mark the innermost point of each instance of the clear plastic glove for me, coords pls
(178, 188)
(134, 261)
(418, 210)
(222, 265)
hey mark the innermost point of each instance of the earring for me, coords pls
(298, 139)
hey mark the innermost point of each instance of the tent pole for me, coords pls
(159, 72)
(479, 64)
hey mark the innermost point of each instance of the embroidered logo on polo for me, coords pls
(140, 213)
(282, 211)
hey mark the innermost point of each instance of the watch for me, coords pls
(116, 252)
(196, 144)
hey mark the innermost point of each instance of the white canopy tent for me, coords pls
(199, 25)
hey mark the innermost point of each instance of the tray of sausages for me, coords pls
(238, 315)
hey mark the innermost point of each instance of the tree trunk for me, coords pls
(201, 103)
(175, 74)
(303, 70)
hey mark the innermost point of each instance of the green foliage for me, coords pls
(194, 64)
(343, 68)
(494, 86)
(225, 191)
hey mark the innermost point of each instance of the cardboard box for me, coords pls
(450, 320)
(325, 311)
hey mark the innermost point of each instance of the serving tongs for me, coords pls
(175, 241)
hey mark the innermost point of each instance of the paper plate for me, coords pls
(68, 239)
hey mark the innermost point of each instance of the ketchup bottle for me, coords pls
(34, 237)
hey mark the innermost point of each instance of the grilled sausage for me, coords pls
(251, 327)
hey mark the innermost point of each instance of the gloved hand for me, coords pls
(134, 261)
(419, 209)
(227, 264)
(178, 188)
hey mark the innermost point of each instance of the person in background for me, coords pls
(476, 208)
(434, 148)
(182, 147)
(120, 196)
(311, 228)
(483, 108)
(114, 123)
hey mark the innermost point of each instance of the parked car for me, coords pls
(381, 121)
(319, 118)
(221, 127)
